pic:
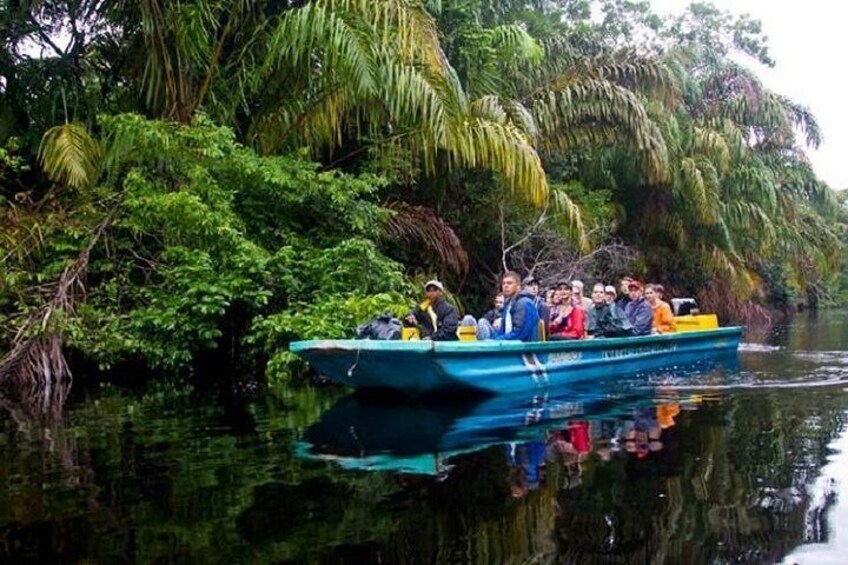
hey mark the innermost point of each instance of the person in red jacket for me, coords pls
(568, 319)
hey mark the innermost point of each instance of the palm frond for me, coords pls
(572, 104)
(502, 147)
(421, 226)
(513, 41)
(69, 155)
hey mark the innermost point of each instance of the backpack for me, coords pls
(385, 326)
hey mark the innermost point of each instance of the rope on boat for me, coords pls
(355, 363)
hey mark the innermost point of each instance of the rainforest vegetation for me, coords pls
(207, 175)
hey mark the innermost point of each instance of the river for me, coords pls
(742, 461)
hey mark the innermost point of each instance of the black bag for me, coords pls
(384, 326)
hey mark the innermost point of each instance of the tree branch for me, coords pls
(44, 37)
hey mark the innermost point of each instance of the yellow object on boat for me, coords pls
(467, 333)
(408, 334)
(696, 323)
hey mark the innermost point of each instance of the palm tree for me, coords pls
(739, 192)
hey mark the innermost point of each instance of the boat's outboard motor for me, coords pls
(684, 306)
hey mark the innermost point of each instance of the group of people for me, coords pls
(523, 313)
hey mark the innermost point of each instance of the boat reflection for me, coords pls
(607, 418)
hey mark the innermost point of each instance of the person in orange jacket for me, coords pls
(663, 321)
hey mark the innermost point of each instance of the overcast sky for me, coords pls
(808, 41)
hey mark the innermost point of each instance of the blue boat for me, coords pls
(504, 367)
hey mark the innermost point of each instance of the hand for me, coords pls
(497, 324)
(410, 319)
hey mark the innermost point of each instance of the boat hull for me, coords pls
(502, 367)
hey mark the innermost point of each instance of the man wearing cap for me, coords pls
(638, 311)
(437, 319)
(531, 287)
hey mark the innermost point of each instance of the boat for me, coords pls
(503, 367)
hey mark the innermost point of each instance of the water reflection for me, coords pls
(723, 465)
(360, 432)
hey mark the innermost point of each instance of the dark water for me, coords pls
(740, 462)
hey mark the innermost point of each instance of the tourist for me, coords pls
(577, 294)
(663, 319)
(519, 319)
(568, 319)
(436, 319)
(493, 316)
(604, 320)
(531, 286)
(624, 298)
(610, 294)
(638, 311)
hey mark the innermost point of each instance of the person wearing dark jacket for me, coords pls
(531, 287)
(624, 297)
(519, 319)
(604, 319)
(638, 310)
(435, 317)
(495, 313)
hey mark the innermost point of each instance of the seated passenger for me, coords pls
(519, 319)
(568, 319)
(435, 317)
(605, 320)
(488, 325)
(638, 311)
(663, 318)
(622, 300)
(610, 294)
(577, 295)
(493, 316)
(531, 287)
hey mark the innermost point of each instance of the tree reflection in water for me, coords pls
(175, 475)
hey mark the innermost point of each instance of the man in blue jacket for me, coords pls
(638, 311)
(519, 318)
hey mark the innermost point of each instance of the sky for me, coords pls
(808, 41)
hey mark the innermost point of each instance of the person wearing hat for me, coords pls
(531, 287)
(435, 317)
(638, 311)
(610, 294)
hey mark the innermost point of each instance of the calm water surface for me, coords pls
(743, 461)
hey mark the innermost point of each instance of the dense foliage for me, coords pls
(176, 177)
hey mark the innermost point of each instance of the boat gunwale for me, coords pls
(490, 346)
